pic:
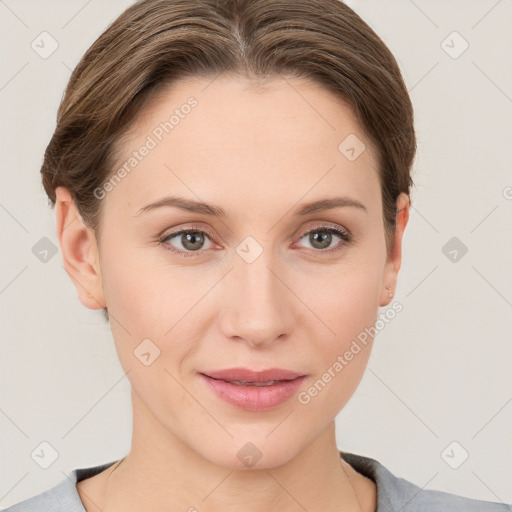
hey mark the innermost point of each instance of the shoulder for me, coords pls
(397, 494)
(63, 497)
(58, 498)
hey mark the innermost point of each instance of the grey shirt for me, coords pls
(394, 494)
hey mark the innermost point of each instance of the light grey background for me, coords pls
(439, 372)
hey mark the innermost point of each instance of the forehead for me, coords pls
(228, 138)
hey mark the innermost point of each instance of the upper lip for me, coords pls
(247, 375)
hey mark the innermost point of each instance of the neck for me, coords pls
(162, 472)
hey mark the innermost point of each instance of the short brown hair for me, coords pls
(156, 42)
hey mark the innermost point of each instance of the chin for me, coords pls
(256, 452)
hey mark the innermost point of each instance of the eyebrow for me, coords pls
(216, 211)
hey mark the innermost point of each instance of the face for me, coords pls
(266, 284)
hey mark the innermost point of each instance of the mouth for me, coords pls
(246, 377)
(249, 383)
(255, 391)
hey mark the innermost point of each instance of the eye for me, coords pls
(321, 238)
(189, 241)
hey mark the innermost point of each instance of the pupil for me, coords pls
(325, 239)
(194, 238)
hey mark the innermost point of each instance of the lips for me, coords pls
(252, 390)
(247, 377)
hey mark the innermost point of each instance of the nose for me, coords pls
(258, 306)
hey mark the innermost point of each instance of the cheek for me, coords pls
(155, 300)
(145, 302)
(147, 296)
(348, 305)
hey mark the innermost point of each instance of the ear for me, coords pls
(394, 259)
(79, 251)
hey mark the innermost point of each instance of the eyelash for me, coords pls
(345, 236)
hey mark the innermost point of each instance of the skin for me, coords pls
(259, 153)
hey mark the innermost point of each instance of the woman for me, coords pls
(231, 182)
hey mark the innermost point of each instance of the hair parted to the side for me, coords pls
(154, 43)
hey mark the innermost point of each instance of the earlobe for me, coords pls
(394, 260)
(79, 251)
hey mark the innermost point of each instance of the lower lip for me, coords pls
(254, 398)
